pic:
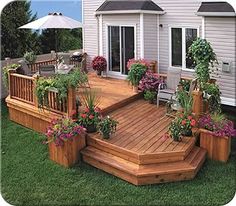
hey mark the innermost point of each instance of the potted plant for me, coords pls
(187, 122)
(138, 61)
(150, 96)
(215, 135)
(99, 64)
(30, 57)
(106, 127)
(135, 74)
(65, 139)
(91, 115)
(175, 130)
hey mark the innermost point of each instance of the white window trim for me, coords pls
(119, 74)
(183, 45)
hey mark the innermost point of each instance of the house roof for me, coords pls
(131, 6)
(216, 9)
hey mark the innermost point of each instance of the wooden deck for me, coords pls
(139, 149)
(114, 93)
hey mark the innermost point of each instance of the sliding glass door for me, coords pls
(121, 48)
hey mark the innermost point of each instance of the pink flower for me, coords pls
(183, 122)
(91, 116)
(86, 110)
(193, 123)
(83, 116)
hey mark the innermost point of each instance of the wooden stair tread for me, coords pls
(188, 165)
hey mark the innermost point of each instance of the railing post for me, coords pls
(71, 102)
(35, 79)
(197, 103)
(10, 71)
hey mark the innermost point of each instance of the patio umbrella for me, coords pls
(53, 21)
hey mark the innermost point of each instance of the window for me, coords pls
(181, 40)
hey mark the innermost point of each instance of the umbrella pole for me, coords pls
(56, 42)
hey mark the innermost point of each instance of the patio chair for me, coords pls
(168, 89)
(24, 67)
(46, 70)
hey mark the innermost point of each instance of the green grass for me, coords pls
(30, 178)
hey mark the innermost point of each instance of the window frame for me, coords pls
(183, 28)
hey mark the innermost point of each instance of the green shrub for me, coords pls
(136, 73)
(30, 57)
(150, 95)
(6, 71)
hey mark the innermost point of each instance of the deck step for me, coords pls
(145, 174)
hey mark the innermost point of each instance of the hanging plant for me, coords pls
(6, 72)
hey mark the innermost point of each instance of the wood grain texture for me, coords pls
(68, 154)
(218, 148)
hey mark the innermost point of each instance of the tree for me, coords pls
(15, 42)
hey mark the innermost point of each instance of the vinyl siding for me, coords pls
(150, 37)
(221, 33)
(90, 29)
(178, 13)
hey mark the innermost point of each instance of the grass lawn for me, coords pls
(30, 178)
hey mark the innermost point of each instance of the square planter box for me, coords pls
(218, 148)
(68, 154)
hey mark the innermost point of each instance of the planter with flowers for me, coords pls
(99, 64)
(65, 141)
(215, 136)
(89, 118)
(187, 122)
(106, 127)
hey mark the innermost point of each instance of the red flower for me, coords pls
(83, 116)
(86, 110)
(190, 117)
(183, 122)
(97, 109)
(193, 122)
(181, 115)
(91, 116)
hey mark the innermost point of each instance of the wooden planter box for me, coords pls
(68, 154)
(218, 148)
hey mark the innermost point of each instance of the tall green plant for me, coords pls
(186, 101)
(90, 99)
(204, 57)
(136, 73)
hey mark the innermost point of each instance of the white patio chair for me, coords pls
(168, 89)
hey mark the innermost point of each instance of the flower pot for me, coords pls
(212, 81)
(91, 128)
(69, 153)
(218, 148)
(106, 135)
(99, 73)
(187, 133)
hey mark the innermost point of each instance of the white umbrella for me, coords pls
(53, 21)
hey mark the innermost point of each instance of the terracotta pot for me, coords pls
(69, 153)
(218, 148)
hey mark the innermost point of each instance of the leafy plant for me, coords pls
(99, 64)
(150, 95)
(61, 83)
(107, 126)
(185, 100)
(63, 130)
(175, 130)
(136, 73)
(30, 57)
(212, 93)
(185, 84)
(204, 57)
(138, 61)
(218, 124)
(6, 72)
(150, 81)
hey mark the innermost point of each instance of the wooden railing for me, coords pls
(35, 66)
(22, 88)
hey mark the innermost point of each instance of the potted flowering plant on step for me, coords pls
(107, 127)
(187, 122)
(99, 64)
(65, 139)
(175, 130)
(215, 135)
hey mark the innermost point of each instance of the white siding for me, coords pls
(150, 37)
(221, 33)
(90, 28)
(123, 20)
(178, 13)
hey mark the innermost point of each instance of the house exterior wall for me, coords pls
(178, 14)
(151, 36)
(220, 32)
